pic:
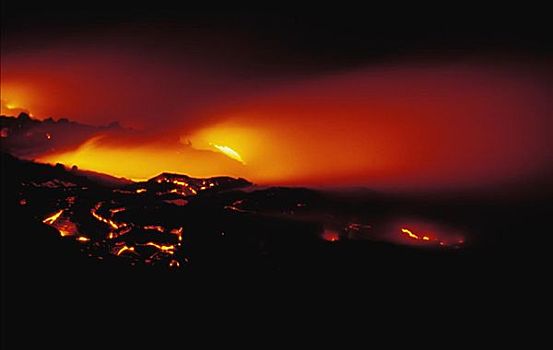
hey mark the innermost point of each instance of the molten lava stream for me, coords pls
(114, 225)
(52, 218)
(430, 239)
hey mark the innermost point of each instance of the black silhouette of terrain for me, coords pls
(80, 245)
(28, 138)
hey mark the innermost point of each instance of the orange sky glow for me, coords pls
(395, 126)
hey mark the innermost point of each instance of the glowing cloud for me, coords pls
(142, 160)
(12, 108)
(389, 127)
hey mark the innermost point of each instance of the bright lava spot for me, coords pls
(330, 236)
(174, 263)
(229, 152)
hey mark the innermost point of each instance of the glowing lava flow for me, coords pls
(125, 249)
(229, 152)
(412, 235)
(155, 228)
(177, 232)
(123, 231)
(170, 249)
(111, 223)
(51, 219)
(451, 241)
(64, 226)
(183, 184)
(116, 210)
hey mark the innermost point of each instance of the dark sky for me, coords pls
(331, 37)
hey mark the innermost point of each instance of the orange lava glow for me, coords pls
(116, 210)
(12, 108)
(155, 228)
(52, 218)
(330, 236)
(177, 232)
(409, 233)
(170, 249)
(114, 225)
(64, 226)
(124, 230)
(174, 263)
(145, 159)
(125, 249)
(450, 239)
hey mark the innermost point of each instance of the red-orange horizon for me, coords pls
(406, 127)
